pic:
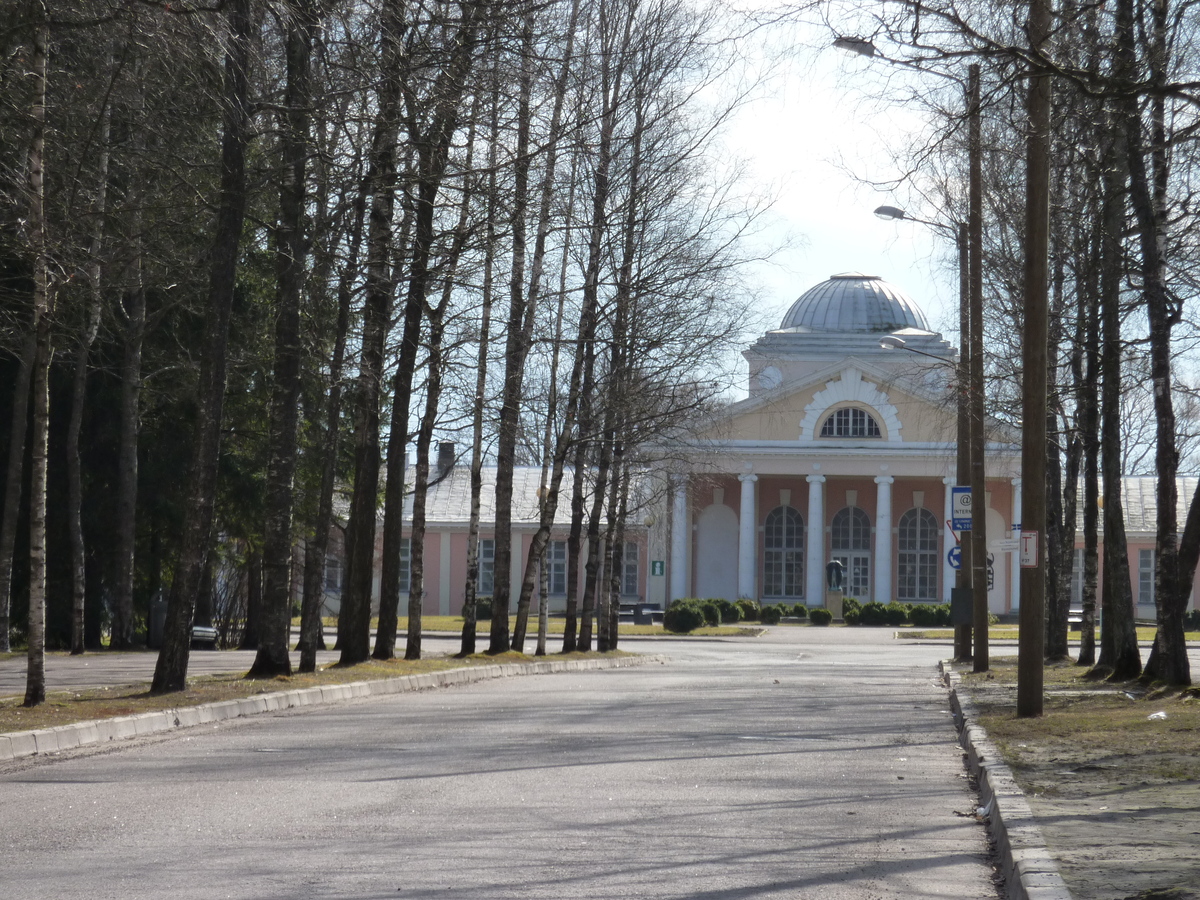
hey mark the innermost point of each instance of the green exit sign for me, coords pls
(658, 567)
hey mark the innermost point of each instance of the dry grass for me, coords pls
(65, 707)
(1145, 633)
(1088, 723)
(1112, 773)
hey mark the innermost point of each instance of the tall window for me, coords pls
(405, 564)
(1145, 578)
(556, 567)
(783, 553)
(850, 537)
(629, 562)
(850, 422)
(487, 567)
(917, 565)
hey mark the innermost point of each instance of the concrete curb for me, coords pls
(1030, 872)
(18, 744)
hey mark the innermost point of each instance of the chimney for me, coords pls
(445, 460)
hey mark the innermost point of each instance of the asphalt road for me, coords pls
(809, 763)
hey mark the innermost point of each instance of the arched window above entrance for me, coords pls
(851, 529)
(850, 422)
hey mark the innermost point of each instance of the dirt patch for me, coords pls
(1112, 773)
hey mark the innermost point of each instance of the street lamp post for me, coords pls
(979, 582)
(970, 247)
(972, 572)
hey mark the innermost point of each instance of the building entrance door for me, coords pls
(851, 533)
(857, 578)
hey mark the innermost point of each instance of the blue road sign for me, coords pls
(960, 508)
(954, 557)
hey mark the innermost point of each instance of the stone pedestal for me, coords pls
(833, 603)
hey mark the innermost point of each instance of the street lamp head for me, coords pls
(891, 342)
(859, 46)
(891, 213)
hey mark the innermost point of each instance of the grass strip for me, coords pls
(66, 707)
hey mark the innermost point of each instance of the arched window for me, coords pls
(918, 560)
(850, 422)
(783, 553)
(851, 545)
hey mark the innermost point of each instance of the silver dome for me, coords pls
(854, 304)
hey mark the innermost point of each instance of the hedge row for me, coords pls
(690, 613)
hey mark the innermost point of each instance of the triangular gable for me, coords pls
(795, 410)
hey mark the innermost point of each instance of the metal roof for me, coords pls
(853, 303)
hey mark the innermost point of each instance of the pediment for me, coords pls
(905, 410)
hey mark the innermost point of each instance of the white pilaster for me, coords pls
(947, 515)
(681, 536)
(746, 542)
(814, 543)
(883, 539)
(1014, 559)
(516, 568)
(444, 574)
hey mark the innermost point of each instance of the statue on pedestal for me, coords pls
(835, 571)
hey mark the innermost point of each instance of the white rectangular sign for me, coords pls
(1029, 549)
(960, 508)
(1008, 545)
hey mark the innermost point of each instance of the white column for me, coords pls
(681, 538)
(947, 515)
(1014, 558)
(814, 543)
(883, 539)
(444, 574)
(746, 542)
(516, 568)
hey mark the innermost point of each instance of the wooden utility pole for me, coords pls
(1033, 379)
(978, 537)
(962, 475)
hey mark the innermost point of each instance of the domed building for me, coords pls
(844, 450)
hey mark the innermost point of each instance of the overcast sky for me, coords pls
(818, 133)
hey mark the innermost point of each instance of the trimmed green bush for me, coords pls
(800, 611)
(1191, 621)
(712, 612)
(897, 613)
(820, 616)
(731, 613)
(749, 608)
(872, 613)
(923, 614)
(849, 603)
(770, 615)
(683, 616)
(483, 608)
(851, 616)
